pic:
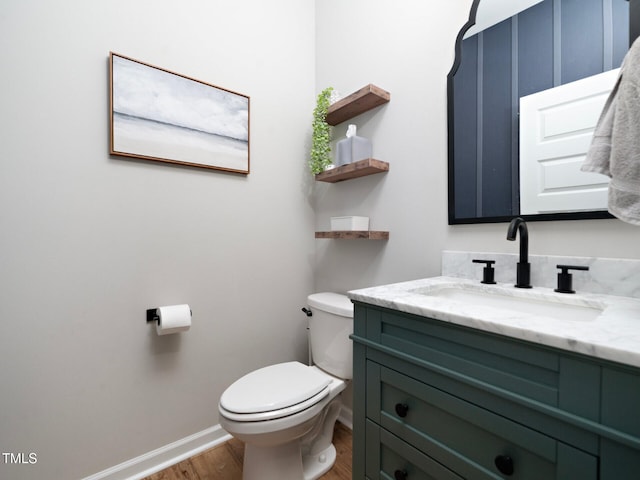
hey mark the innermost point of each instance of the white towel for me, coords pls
(615, 148)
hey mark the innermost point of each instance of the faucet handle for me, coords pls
(565, 279)
(488, 272)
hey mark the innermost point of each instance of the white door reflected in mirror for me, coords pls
(556, 128)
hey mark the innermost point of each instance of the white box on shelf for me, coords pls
(350, 223)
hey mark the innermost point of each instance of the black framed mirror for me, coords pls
(547, 44)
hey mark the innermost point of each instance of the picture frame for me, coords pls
(162, 116)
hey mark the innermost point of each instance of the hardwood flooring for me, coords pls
(224, 462)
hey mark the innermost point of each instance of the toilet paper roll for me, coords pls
(173, 319)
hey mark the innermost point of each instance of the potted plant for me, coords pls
(321, 137)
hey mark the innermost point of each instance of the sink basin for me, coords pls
(518, 301)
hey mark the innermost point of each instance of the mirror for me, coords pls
(537, 46)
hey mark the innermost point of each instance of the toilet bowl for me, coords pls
(285, 413)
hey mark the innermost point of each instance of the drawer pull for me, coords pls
(400, 475)
(402, 409)
(504, 463)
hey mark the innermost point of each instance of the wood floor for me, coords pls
(224, 462)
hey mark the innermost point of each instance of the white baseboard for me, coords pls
(163, 457)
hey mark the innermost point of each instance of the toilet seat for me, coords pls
(273, 392)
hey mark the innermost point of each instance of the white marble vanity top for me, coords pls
(613, 334)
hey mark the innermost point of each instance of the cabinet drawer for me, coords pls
(507, 376)
(521, 368)
(388, 457)
(467, 438)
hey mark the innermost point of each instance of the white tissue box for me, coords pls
(350, 223)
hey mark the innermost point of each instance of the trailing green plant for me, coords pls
(320, 141)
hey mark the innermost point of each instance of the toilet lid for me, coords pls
(273, 388)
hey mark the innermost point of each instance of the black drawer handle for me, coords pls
(400, 475)
(504, 463)
(402, 409)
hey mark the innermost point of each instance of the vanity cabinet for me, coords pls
(433, 400)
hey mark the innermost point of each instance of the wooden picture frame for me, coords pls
(163, 116)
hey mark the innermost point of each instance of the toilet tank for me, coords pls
(330, 325)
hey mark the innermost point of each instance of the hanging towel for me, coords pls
(615, 148)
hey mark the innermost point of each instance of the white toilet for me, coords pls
(285, 413)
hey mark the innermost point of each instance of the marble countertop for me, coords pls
(613, 335)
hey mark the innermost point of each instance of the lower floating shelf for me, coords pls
(354, 235)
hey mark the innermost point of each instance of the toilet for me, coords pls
(285, 413)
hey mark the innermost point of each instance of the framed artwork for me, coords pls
(167, 117)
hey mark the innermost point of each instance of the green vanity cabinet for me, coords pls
(433, 400)
(620, 411)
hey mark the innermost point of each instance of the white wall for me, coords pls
(407, 49)
(88, 242)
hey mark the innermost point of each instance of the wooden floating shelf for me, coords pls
(354, 235)
(357, 169)
(359, 102)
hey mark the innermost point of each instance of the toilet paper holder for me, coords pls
(152, 315)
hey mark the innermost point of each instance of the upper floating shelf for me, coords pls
(359, 102)
(357, 169)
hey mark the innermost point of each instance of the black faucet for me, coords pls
(523, 277)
